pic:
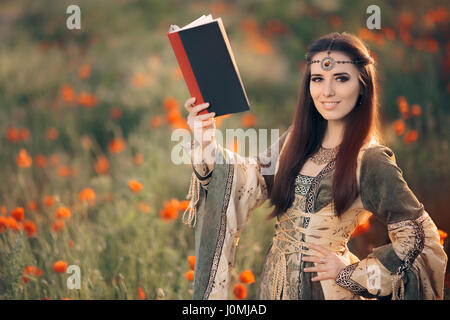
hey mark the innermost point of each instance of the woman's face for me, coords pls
(336, 91)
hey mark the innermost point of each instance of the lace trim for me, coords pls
(222, 230)
(311, 195)
(303, 179)
(315, 184)
(300, 189)
(344, 280)
(405, 223)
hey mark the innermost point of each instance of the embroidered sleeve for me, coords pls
(237, 186)
(367, 278)
(260, 171)
(253, 175)
(413, 235)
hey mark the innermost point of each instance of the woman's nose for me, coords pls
(328, 89)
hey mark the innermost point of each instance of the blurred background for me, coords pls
(86, 118)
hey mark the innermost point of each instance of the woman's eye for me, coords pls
(342, 79)
(316, 79)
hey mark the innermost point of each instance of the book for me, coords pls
(208, 66)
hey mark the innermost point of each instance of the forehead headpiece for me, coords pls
(328, 63)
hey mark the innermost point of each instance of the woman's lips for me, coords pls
(329, 105)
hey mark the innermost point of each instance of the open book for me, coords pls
(209, 69)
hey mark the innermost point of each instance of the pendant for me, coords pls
(327, 63)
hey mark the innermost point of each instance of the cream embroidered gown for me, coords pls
(411, 267)
(286, 236)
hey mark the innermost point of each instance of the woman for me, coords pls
(331, 175)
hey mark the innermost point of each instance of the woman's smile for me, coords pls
(330, 105)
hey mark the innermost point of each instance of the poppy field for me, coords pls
(86, 117)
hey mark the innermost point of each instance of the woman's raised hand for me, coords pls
(202, 126)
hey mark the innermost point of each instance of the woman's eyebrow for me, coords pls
(336, 74)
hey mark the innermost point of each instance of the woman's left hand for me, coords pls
(329, 265)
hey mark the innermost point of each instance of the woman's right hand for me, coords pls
(202, 126)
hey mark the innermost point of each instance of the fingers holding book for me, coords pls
(203, 126)
(194, 118)
(207, 116)
(196, 110)
(189, 104)
(193, 109)
(200, 121)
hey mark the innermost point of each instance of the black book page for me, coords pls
(214, 70)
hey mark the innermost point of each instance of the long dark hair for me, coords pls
(308, 129)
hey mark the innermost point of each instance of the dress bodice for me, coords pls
(283, 276)
(290, 223)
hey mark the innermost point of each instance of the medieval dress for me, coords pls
(412, 266)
